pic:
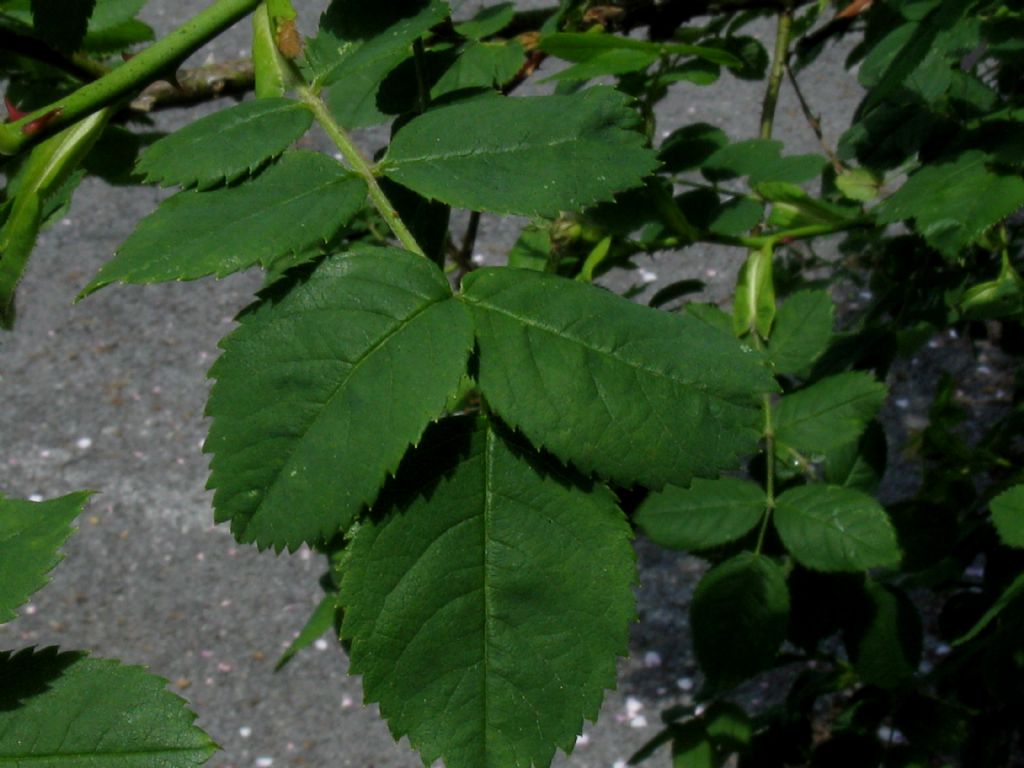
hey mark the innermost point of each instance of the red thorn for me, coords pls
(14, 114)
(125, 55)
(34, 127)
(786, 240)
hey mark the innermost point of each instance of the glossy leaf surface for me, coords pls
(829, 413)
(617, 389)
(802, 331)
(531, 156)
(64, 710)
(227, 144)
(297, 204)
(831, 528)
(31, 535)
(486, 611)
(322, 388)
(707, 514)
(952, 203)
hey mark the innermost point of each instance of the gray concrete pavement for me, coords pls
(108, 394)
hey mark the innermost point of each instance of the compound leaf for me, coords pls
(31, 533)
(322, 388)
(1008, 516)
(707, 514)
(828, 414)
(802, 331)
(226, 145)
(486, 613)
(952, 203)
(831, 528)
(63, 709)
(297, 204)
(739, 615)
(530, 156)
(615, 388)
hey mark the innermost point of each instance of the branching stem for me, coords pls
(361, 166)
(148, 65)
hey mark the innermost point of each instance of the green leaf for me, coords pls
(487, 21)
(226, 145)
(910, 56)
(320, 621)
(62, 23)
(691, 747)
(761, 160)
(802, 331)
(531, 156)
(481, 65)
(728, 726)
(607, 63)
(860, 184)
(615, 388)
(753, 308)
(830, 413)
(711, 315)
(585, 46)
(737, 217)
(31, 534)
(688, 147)
(739, 615)
(860, 464)
(1008, 516)
(1010, 595)
(297, 204)
(322, 388)
(830, 528)
(885, 640)
(113, 26)
(358, 44)
(486, 613)
(952, 203)
(63, 709)
(707, 514)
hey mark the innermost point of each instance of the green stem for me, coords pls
(771, 96)
(360, 165)
(785, 235)
(148, 65)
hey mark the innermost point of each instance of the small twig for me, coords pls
(463, 257)
(813, 121)
(209, 81)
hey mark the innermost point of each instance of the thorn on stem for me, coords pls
(13, 113)
(35, 126)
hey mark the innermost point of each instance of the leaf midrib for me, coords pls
(610, 354)
(354, 367)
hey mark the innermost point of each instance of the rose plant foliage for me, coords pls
(474, 449)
